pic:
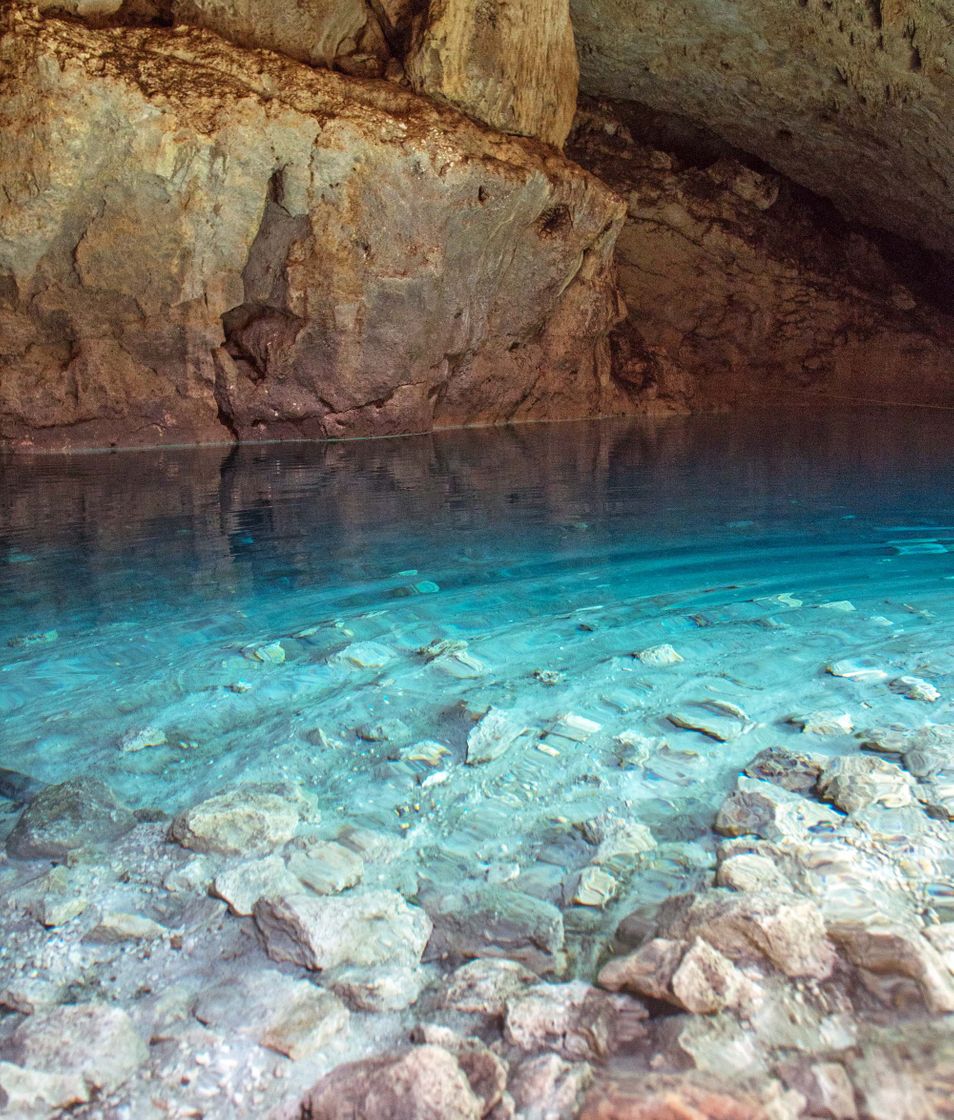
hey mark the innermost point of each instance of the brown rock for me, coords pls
(778, 927)
(511, 63)
(425, 1083)
(574, 1020)
(316, 255)
(791, 307)
(344, 34)
(660, 1097)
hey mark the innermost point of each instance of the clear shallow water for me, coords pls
(135, 588)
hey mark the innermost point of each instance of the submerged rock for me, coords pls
(86, 1040)
(494, 921)
(574, 1020)
(243, 885)
(493, 736)
(785, 931)
(485, 985)
(64, 818)
(855, 782)
(367, 928)
(247, 820)
(426, 1083)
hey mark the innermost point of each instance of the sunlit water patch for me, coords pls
(481, 647)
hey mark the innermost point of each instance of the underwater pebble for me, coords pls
(838, 605)
(576, 729)
(271, 654)
(493, 736)
(364, 655)
(139, 740)
(658, 656)
(824, 723)
(914, 688)
(852, 671)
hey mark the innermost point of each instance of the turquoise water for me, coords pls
(205, 606)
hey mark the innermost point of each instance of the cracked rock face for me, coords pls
(512, 65)
(737, 289)
(852, 98)
(200, 243)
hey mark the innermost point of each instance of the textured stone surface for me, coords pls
(740, 289)
(66, 817)
(85, 1040)
(247, 820)
(511, 63)
(365, 928)
(340, 33)
(315, 255)
(426, 1083)
(853, 99)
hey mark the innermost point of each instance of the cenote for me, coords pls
(496, 695)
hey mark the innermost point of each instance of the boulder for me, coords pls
(772, 926)
(247, 820)
(485, 985)
(244, 884)
(87, 1041)
(695, 977)
(64, 818)
(548, 1086)
(856, 781)
(576, 1021)
(494, 921)
(425, 1083)
(316, 255)
(367, 928)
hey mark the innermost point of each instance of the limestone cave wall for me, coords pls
(239, 219)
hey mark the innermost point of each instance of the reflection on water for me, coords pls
(435, 641)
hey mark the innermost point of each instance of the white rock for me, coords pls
(30, 1092)
(492, 737)
(366, 928)
(115, 926)
(365, 655)
(914, 688)
(306, 1023)
(658, 656)
(242, 885)
(87, 1040)
(574, 728)
(825, 723)
(853, 671)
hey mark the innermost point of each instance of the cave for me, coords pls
(476, 522)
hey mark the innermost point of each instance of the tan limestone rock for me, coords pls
(316, 255)
(511, 63)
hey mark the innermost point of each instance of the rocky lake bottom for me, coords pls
(583, 770)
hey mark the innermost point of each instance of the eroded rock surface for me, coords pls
(315, 255)
(853, 100)
(511, 64)
(739, 288)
